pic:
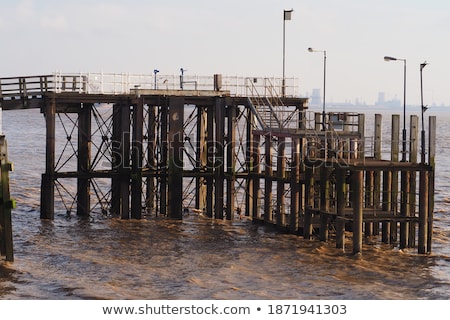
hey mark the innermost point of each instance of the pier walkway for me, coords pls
(226, 147)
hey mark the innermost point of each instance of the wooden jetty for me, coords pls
(225, 148)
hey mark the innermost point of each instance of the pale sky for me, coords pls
(238, 37)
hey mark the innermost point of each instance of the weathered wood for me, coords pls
(395, 149)
(340, 207)
(201, 159)
(6, 204)
(413, 156)
(281, 175)
(231, 161)
(295, 185)
(431, 163)
(136, 159)
(219, 163)
(47, 184)
(268, 171)
(357, 202)
(256, 170)
(175, 158)
(84, 160)
(423, 212)
(325, 186)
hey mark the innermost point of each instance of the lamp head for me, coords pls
(310, 49)
(387, 58)
(422, 65)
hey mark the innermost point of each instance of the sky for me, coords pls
(239, 37)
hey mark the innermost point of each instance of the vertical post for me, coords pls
(387, 205)
(250, 164)
(431, 163)
(84, 160)
(163, 166)
(281, 168)
(324, 201)
(361, 131)
(423, 212)
(201, 158)
(175, 157)
(256, 171)
(48, 186)
(357, 202)
(124, 166)
(136, 160)
(377, 173)
(340, 208)
(210, 146)
(309, 201)
(295, 185)
(231, 161)
(151, 158)
(413, 156)
(404, 208)
(268, 179)
(219, 165)
(395, 158)
(6, 204)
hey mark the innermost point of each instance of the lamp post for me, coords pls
(155, 71)
(286, 16)
(424, 108)
(324, 81)
(387, 58)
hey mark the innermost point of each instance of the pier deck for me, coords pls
(224, 149)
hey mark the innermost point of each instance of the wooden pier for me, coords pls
(226, 149)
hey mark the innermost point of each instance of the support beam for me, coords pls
(136, 159)
(357, 181)
(231, 160)
(84, 160)
(175, 158)
(48, 184)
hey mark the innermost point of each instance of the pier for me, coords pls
(226, 147)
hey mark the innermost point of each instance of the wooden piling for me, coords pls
(6, 204)
(152, 165)
(219, 161)
(136, 159)
(47, 182)
(268, 171)
(325, 185)
(210, 150)
(295, 185)
(357, 202)
(413, 156)
(201, 158)
(340, 207)
(231, 161)
(84, 160)
(423, 212)
(175, 158)
(256, 171)
(249, 164)
(395, 134)
(309, 201)
(431, 163)
(281, 169)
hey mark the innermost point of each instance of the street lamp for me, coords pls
(286, 16)
(324, 81)
(155, 72)
(387, 58)
(424, 108)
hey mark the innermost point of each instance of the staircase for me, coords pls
(264, 106)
